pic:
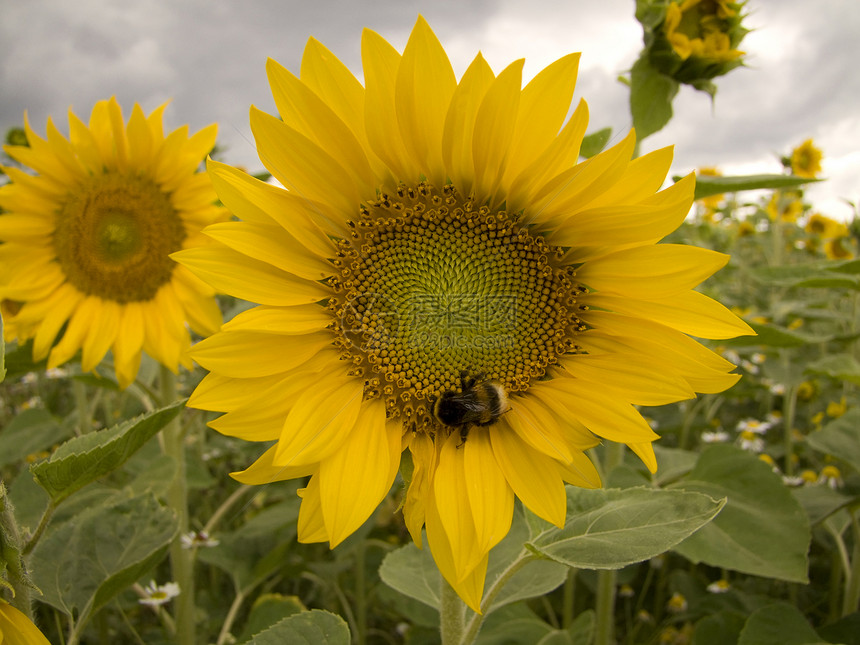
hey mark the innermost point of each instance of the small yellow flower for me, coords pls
(784, 206)
(719, 586)
(831, 476)
(836, 249)
(677, 603)
(17, 629)
(807, 389)
(745, 228)
(836, 410)
(809, 476)
(824, 226)
(806, 160)
(712, 202)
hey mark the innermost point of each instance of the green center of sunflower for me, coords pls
(431, 286)
(114, 235)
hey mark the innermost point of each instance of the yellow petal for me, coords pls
(358, 475)
(273, 245)
(494, 130)
(570, 191)
(581, 471)
(317, 424)
(490, 497)
(381, 62)
(301, 319)
(469, 586)
(691, 313)
(308, 114)
(647, 221)
(256, 201)
(658, 271)
(533, 477)
(536, 426)
(101, 334)
(601, 412)
(264, 471)
(243, 277)
(424, 85)
(544, 105)
(635, 379)
(302, 166)
(63, 303)
(262, 354)
(558, 157)
(455, 512)
(311, 526)
(460, 123)
(423, 452)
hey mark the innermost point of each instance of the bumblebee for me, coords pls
(479, 403)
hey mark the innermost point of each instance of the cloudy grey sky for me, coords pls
(208, 57)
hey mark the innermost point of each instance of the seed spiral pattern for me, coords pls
(114, 235)
(429, 286)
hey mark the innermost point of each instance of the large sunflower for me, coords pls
(433, 233)
(87, 239)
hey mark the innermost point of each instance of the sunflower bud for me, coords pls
(692, 41)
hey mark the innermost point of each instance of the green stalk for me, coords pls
(606, 580)
(452, 615)
(851, 602)
(11, 555)
(568, 598)
(181, 561)
(474, 625)
(789, 404)
(85, 422)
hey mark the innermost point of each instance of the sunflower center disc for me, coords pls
(429, 287)
(113, 237)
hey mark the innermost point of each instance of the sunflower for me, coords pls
(441, 237)
(88, 234)
(805, 160)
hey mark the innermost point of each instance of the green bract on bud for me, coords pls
(686, 41)
(692, 41)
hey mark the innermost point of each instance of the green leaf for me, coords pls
(513, 624)
(267, 610)
(806, 275)
(820, 502)
(845, 630)
(412, 571)
(255, 550)
(840, 438)
(85, 459)
(651, 95)
(83, 563)
(774, 336)
(609, 529)
(762, 530)
(315, 627)
(594, 142)
(718, 629)
(778, 624)
(707, 185)
(839, 366)
(29, 433)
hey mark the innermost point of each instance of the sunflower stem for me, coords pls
(11, 555)
(605, 606)
(177, 498)
(85, 423)
(788, 408)
(452, 615)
